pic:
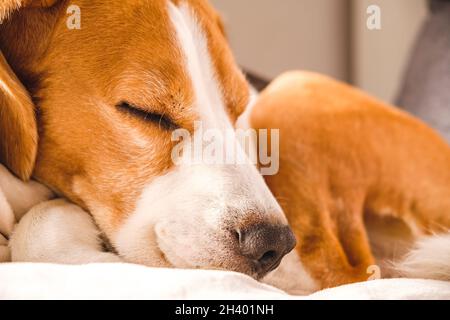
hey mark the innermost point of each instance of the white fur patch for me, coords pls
(292, 277)
(430, 259)
(193, 43)
(186, 217)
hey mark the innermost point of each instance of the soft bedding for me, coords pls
(126, 281)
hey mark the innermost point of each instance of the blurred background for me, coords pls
(329, 36)
(406, 62)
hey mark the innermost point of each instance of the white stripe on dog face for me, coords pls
(189, 214)
(209, 100)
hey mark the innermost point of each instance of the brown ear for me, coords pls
(18, 128)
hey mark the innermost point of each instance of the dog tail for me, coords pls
(429, 259)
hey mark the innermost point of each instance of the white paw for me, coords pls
(58, 232)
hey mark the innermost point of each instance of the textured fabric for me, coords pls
(426, 88)
(126, 281)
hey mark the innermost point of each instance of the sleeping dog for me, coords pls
(89, 113)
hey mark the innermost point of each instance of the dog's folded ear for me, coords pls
(18, 127)
(8, 6)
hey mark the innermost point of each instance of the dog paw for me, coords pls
(57, 231)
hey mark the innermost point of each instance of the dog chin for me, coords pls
(229, 262)
(163, 256)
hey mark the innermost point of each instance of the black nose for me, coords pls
(266, 245)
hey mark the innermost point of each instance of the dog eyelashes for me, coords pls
(163, 121)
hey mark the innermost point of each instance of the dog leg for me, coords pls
(58, 232)
(355, 243)
(324, 257)
(352, 234)
(333, 256)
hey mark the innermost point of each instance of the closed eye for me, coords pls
(163, 121)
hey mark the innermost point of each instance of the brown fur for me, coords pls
(346, 158)
(18, 128)
(89, 151)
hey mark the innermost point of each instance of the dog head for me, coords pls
(104, 99)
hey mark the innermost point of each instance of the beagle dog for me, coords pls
(362, 183)
(89, 113)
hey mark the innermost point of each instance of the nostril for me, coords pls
(265, 244)
(268, 257)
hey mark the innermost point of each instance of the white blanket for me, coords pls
(126, 281)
